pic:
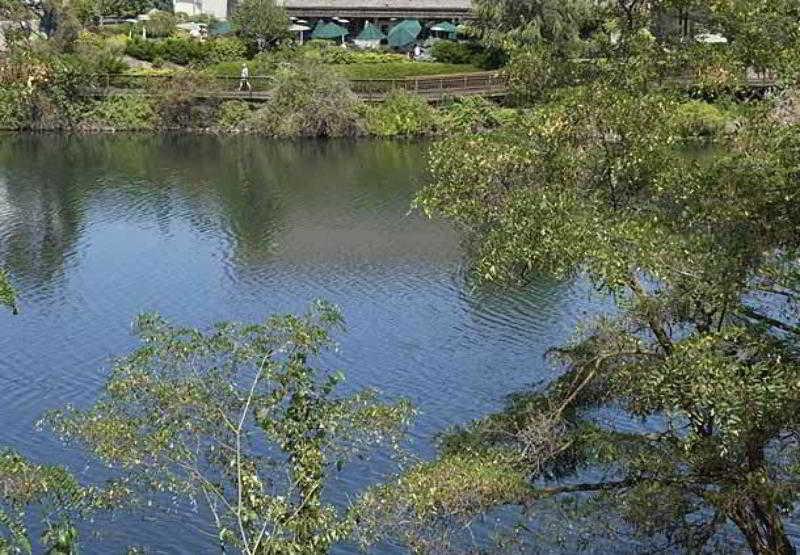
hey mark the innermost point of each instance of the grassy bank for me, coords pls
(400, 70)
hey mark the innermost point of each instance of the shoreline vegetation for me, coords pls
(43, 86)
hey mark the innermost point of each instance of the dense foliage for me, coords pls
(699, 255)
(260, 22)
(556, 22)
(178, 50)
(468, 53)
(309, 101)
(189, 413)
(401, 114)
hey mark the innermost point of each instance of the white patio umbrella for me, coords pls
(296, 28)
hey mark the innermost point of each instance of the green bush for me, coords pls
(339, 56)
(474, 114)
(14, 109)
(317, 44)
(116, 44)
(535, 73)
(226, 49)
(122, 113)
(309, 101)
(490, 58)
(232, 114)
(184, 51)
(402, 113)
(177, 106)
(335, 55)
(178, 50)
(451, 52)
(142, 49)
(161, 24)
(100, 54)
(698, 119)
(399, 70)
(89, 40)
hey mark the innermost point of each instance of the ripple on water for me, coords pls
(204, 230)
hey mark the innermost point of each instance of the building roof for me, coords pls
(378, 8)
(381, 4)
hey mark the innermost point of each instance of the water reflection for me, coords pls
(97, 229)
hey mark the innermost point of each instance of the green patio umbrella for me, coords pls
(329, 31)
(444, 27)
(371, 32)
(404, 33)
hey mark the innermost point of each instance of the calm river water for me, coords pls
(97, 229)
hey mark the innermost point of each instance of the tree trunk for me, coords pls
(762, 527)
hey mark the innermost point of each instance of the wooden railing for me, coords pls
(433, 85)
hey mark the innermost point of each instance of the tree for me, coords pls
(60, 24)
(260, 22)
(702, 261)
(162, 24)
(186, 412)
(556, 22)
(87, 12)
(123, 8)
(52, 493)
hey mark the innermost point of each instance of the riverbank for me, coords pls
(304, 102)
(103, 82)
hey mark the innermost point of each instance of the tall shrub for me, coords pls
(402, 113)
(310, 101)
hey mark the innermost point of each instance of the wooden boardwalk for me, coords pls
(434, 88)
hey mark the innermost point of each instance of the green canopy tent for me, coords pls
(446, 27)
(404, 33)
(370, 37)
(329, 31)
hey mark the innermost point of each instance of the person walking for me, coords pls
(244, 81)
(417, 51)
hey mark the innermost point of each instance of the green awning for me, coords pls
(404, 33)
(371, 32)
(329, 31)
